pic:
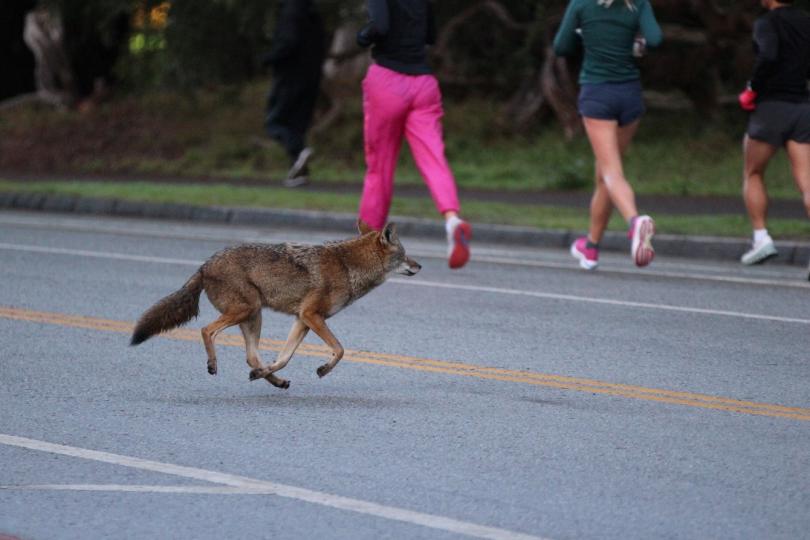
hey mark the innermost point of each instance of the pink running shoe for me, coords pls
(588, 257)
(641, 234)
(459, 245)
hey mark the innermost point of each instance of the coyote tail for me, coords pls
(170, 312)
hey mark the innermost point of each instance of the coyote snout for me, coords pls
(409, 267)
(312, 283)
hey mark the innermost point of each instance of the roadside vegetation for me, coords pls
(216, 138)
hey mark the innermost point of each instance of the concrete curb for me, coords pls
(795, 253)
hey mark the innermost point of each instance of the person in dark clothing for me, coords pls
(779, 102)
(297, 55)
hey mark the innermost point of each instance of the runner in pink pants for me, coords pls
(401, 97)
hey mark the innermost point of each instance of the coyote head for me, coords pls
(393, 254)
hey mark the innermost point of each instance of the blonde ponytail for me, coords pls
(607, 3)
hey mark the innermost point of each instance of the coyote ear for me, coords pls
(389, 234)
(363, 227)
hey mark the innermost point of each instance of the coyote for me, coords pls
(311, 283)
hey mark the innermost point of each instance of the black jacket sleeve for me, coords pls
(766, 45)
(431, 28)
(378, 24)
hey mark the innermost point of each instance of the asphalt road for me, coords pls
(518, 396)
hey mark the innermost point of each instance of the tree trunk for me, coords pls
(53, 75)
(342, 72)
(560, 92)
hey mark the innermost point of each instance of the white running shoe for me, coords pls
(641, 234)
(300, 164)
(760, 252)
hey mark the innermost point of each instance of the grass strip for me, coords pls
(539, 216)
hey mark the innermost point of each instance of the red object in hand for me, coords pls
(747, 99)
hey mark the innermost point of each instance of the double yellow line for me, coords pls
(577, 384)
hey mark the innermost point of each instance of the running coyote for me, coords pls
(312, 283)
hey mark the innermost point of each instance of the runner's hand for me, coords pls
(639, 47)
(747, 99)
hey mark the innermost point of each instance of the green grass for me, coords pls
(547, 217)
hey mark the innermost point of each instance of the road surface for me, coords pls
(517, 398)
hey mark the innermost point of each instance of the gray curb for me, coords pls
(796, 253)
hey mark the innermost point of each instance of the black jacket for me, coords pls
(299, 40)
(782, 46)
(399, 31)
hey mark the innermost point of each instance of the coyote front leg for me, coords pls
(294, 338)
(318, 325)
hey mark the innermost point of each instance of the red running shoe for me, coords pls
(588, 257)
(458, 252)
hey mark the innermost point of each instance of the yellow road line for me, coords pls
(578, 384)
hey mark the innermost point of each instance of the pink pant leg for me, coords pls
(423, 128)
(385, 107)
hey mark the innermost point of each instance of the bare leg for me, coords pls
(601, 208)
(318, 325)
(757, 154)
(605, 139)
(210, 332)
(601, 205)
(799, 154)
(294, 338)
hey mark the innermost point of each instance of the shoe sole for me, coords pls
(461, 246)
(766, 256)
(298, 181)
(762, 259)
(583, 261)
(300, 163)
(643, 252)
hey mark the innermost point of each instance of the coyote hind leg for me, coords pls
(210, 332)
(294, 338)
(252, 330)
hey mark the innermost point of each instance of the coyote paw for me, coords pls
(257, 373)
(212, 369)
(280, 383)
(323, 370)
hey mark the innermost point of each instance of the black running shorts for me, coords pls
(776, 122)
(621, 101)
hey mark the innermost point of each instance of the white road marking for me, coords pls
(658, 273)
(124, 488)
(607, 301)
(416, 282)
(97, 254)
(134, 227)
(252, 485)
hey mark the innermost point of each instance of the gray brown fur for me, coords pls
(312, 283)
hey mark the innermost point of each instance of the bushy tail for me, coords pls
(170, 312)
